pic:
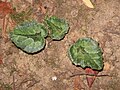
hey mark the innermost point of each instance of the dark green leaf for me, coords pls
(58, 27)
(29, 36)
(86, 53)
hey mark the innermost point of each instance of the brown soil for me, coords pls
(51, 68)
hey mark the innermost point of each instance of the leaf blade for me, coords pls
(29, 36)
(81, 55)
(58, 27)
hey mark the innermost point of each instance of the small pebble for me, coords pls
(54, 78)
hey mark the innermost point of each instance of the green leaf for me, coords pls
(31, 28)
(29, 36)
(86, 53)
(58, 27)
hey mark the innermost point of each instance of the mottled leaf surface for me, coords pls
(29, 36)
(86, 53)
(58, 27)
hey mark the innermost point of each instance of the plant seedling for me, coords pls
(30, 35)
(87, 53)
(58, 27)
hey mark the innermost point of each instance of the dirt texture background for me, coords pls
(51, 68)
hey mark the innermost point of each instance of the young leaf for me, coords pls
(86, 53)
(58, 27)
(29, 36)
(88, 3)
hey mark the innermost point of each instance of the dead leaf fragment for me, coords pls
(90, 79)
(88, 3)
(106, 66)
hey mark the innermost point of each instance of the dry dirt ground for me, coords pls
(51, 68)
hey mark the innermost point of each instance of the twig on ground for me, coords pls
(81, 74)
